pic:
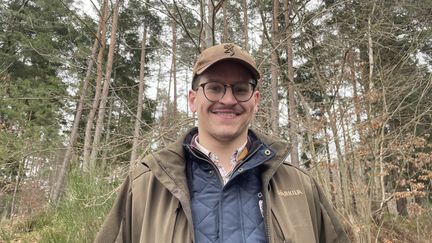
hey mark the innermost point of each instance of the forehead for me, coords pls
(228, 72)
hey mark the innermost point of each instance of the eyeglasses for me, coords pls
(215, 91)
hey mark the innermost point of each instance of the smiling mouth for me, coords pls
(225, 114)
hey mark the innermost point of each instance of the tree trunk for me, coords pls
(245, 25)
(292, 105)
(203, 27)
(158, 88)
(330, 170)
(341, 161)
(225, 36)
(136, 134)
(347, 145)
(174, 67)
(108, 135)
(58, 185)
(14, 207)
(275, 69)
(314, 163)
(210, 38)
(104, 95)
(359, 165)
(95, 104)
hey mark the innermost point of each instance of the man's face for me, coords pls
(227, 119)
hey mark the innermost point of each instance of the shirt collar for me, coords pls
(240, 152)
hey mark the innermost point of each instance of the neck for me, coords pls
(224, 149)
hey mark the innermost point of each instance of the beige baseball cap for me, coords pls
(225, 51)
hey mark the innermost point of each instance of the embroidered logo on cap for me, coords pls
(229, 49)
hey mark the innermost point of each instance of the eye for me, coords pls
(214, 87)
(243, 88)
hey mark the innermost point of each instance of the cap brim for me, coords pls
(255, 74)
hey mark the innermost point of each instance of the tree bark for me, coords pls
(158, 87)
(210, 38)
(332, 121)
(203, 26)
(107, 136)
(225, 36)
(104, 95)
(59, 183)
(292, 106)
(95, 104)
(137, 126)
(174, 67)
(245, 25)
(275, 69)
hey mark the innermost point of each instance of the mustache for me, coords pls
(235, 108)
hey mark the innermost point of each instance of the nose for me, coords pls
(229, 97)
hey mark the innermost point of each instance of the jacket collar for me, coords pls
(169, 164)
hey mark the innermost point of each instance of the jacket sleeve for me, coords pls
(117, 225)
(330, 228)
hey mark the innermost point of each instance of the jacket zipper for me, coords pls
(266, 216)
(266, 199)
(169, 175)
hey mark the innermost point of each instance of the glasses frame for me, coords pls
(254, 85)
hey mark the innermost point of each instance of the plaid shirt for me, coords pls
(237, 156)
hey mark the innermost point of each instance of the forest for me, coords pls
(89, 87)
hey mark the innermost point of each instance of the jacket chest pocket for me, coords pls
(278, 231)
(291, 228)
(180, 231)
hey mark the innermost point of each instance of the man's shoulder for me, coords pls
(263, 137)
(138, 168)
(167, 156)
(287, 165)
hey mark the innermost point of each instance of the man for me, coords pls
(221, 182)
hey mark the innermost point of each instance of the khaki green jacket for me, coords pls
(153, 203)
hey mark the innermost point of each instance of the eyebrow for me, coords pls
(235, 82)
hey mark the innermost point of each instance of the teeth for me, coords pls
(227, 114)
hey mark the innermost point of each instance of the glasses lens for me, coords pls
(242, 91)
(214, 91)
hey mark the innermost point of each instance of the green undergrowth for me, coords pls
(76, 218)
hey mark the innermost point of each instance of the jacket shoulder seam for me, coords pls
(286, 163)
(138, 170)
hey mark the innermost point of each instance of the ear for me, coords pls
(256, 97)
(191, 100)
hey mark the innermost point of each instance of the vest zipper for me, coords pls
(241, 163)
(208, 161)
(245, 159)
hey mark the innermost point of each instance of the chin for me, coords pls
(227, 135)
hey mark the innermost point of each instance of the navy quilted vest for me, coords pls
(229, 213)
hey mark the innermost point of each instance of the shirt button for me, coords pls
(240, 170)
(267, 152)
